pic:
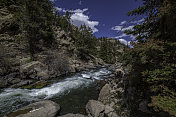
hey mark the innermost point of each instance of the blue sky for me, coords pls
(105, 17)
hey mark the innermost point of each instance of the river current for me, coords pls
(72, 93)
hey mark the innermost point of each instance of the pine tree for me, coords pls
(159, 22)
(151, 62)
(37, 23)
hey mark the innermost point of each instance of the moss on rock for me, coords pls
(19, 112)
(37, 85)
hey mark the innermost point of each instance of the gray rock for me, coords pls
(44, 108)
(13, 80)
(98, 109)
(22, 83)
(110, 112)
(105, 93)
(95, 109)
(35, 70)
(12, 75)
(73, 115)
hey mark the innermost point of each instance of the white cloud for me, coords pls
(123, 41)
(128, 28)
(79, 10)
(121, 28)
(121, 36)
(129, 42)
(59, 9)
(78, 18)
(123, 22)
(72, 11)
(117, 28)
(138, 21)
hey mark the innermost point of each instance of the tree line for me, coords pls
(152, 61)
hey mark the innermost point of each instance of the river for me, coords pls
(71, 93)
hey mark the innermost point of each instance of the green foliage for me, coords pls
(151, 67)
(151, 63)
(160, 20)
(34, 22)
(64, 21)
(4, 3)
(85, 42)
(107, 50)
(165, 103)
(37, 23)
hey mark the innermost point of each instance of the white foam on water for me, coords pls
(86, 76)
(11, 98)
(60, 87)
(57, 88)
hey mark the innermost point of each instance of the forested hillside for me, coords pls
(34, 30)
(152, 61)
(38, 44)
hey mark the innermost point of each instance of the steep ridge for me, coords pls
(18, 69)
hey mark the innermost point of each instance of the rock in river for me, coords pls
(72, 115)
(44, 108)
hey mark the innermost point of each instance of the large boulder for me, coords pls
(39, 109)
(104, 94)
(35, 70)
(110, 112)
(72, 115)
(95, 109)
(98, 109)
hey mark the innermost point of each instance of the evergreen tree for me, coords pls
(37, 23)
(160, 20)
(85, 42)
(151, 63)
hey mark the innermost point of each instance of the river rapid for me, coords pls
(71, 93)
